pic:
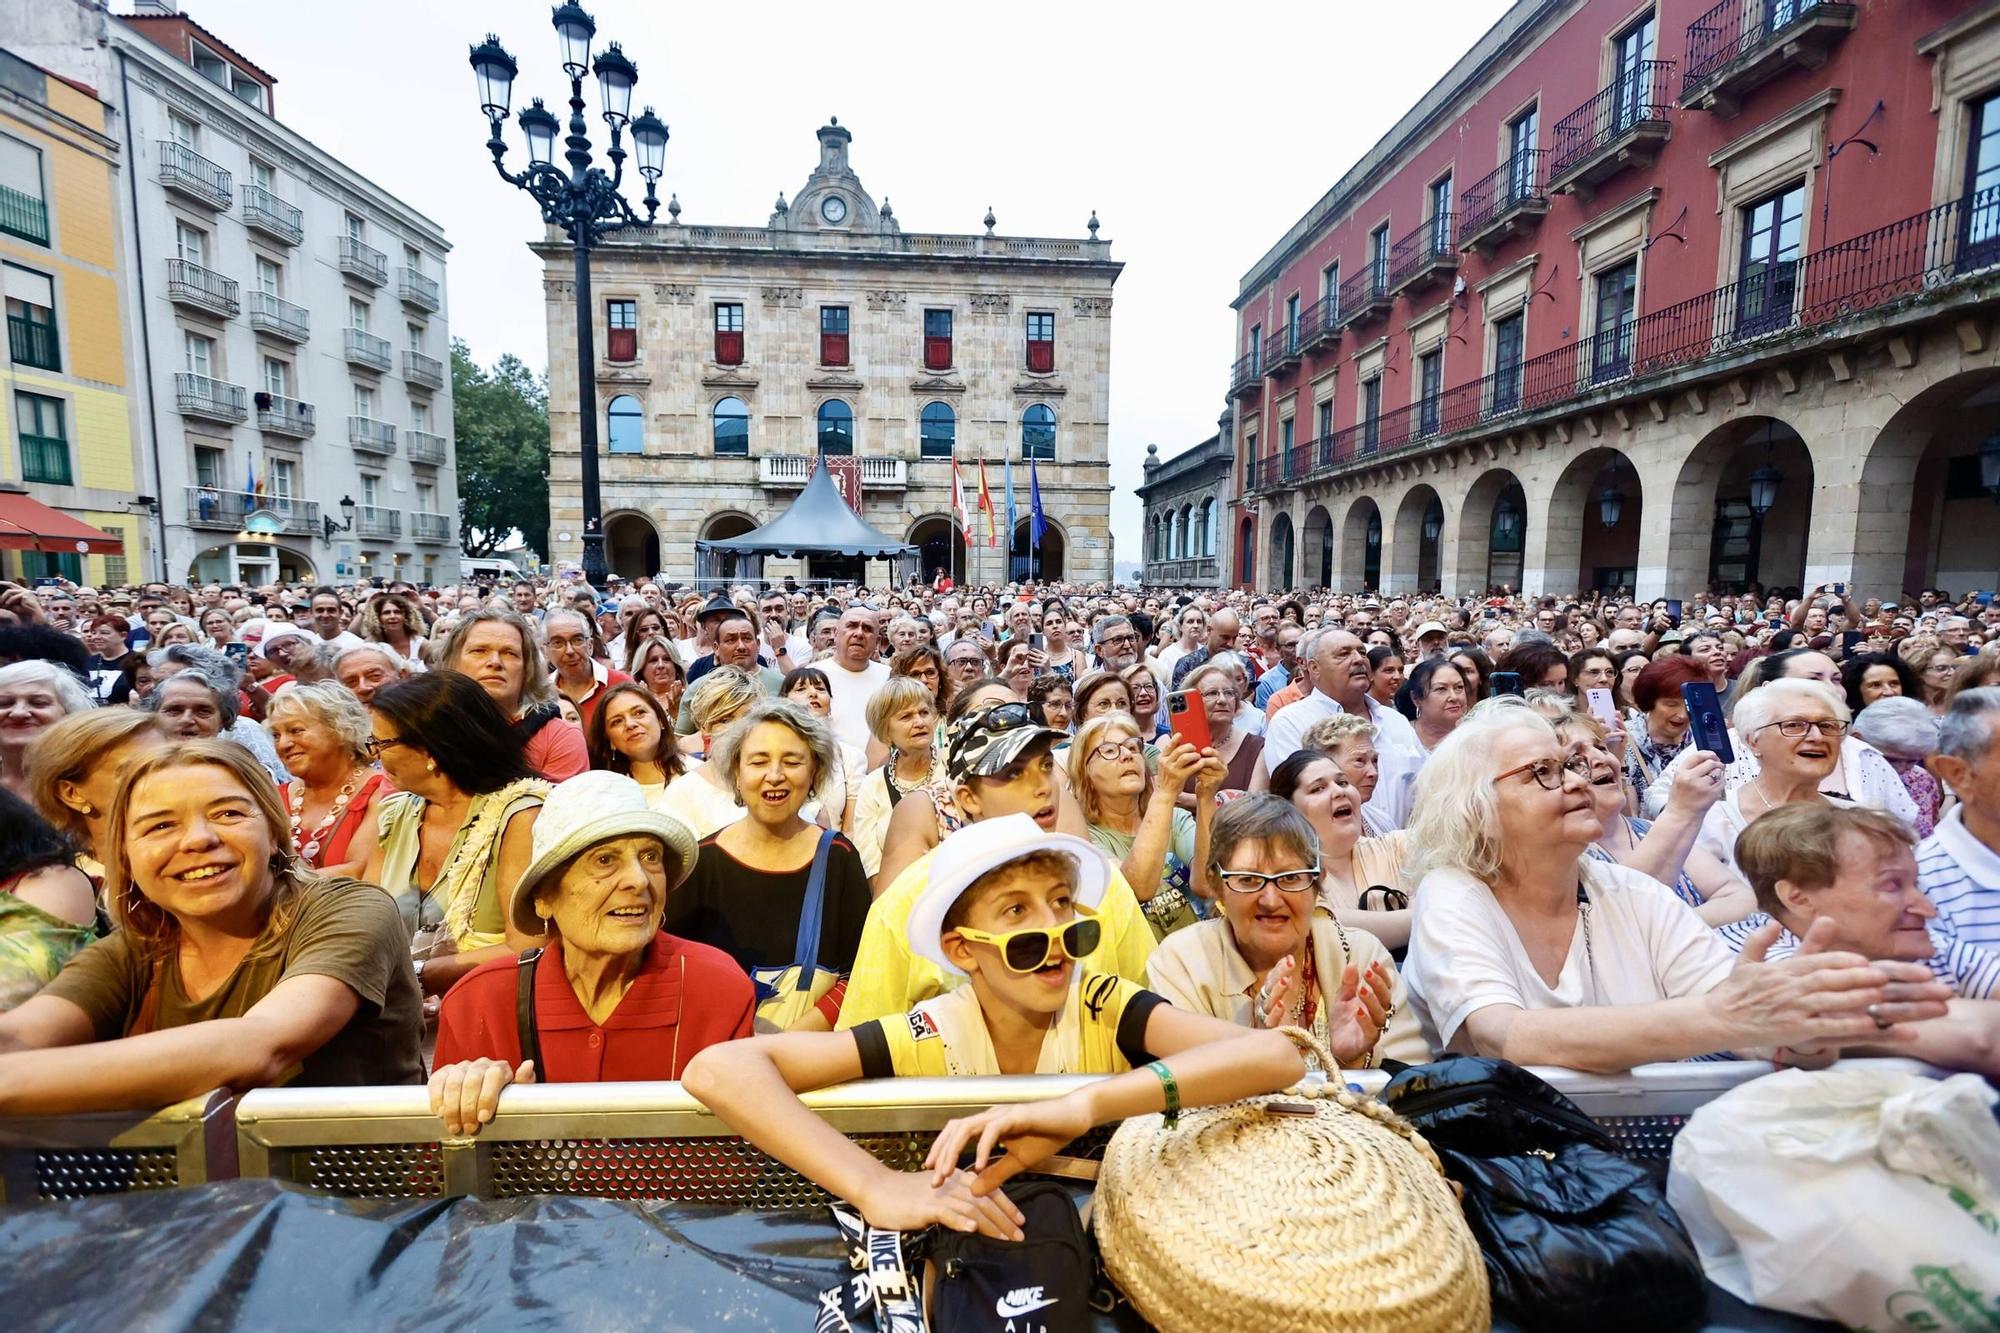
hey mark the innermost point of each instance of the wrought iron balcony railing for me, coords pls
(188, 173)
(272, 216)
(1505, 199)
(1600, 136)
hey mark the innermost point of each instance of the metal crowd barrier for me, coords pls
(633, 1140)
(47, 1159)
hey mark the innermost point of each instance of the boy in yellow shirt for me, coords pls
(1011, 909)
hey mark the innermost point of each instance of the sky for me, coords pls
(1198, 136)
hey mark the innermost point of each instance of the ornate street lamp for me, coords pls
(346, 514)
(1433, 523)
(1506, 519)
(1610, 506)
(1764, 488)
(583, 200)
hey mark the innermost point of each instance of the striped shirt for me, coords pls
(1961, 875)
(1972, 973)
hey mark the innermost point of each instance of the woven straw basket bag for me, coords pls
(1329, 1213)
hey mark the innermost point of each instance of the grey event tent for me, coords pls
(818, 523)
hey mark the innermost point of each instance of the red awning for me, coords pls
(26, 524)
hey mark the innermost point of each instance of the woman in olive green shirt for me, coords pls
(232, 966)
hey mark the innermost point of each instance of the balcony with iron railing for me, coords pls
(24, 215)
(192, 176)
(420, 446)
(211, 507)
(272, 314)
(271, 215)
(1505, 201)
(1281, 352)
(418, 291)
(1426, 256)
(1245, 374)
(1622, 126)
(369, 436)
(193, 287)
(430, 529)
(280, 415)
(1365, 296)
(418, 368)
(31, 342)
(211, 399)
(363, 261)
(783, 472)
(375, 521)
(365, 349)
(1319, 324)
(1740, 45)
(1927, 257)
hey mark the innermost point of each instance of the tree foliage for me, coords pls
(501, 426)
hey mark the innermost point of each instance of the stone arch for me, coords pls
(1316, 548)
(1580, 550)
(1359, 565)
(1476, 568)
(1280, 570)
(631, 544)
(940, 545)
(717, 566)
(1048, 561)
(1418, 541)
(1926, 463)
(1717, 536)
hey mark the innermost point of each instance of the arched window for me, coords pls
(625, 426)
(836, 427)
(1176, 539)
(940, 431)
(1038, 433)
(732, 429)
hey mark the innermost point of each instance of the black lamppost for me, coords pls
(583, 201)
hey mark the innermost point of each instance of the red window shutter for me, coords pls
(729, 348)
(1041, 356)
(833, 349)
(622, 345)
(937, 354)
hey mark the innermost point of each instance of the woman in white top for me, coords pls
(808, 686)
(701, 797)
(1521, 947)
(903, 718)
(1792, 729)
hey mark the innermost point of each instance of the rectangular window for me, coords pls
(1371, 414)
(357, 230)
(728, 333)
(1250, 460)
(1521, 132)
(371, 490)
(1041, 341)
(270, 278)
(426, 498)
(44, 443)
(413, 337)
(1773, 231)
(1632, 53)
(413, 259)
(208, 467)
(937, 340)
(621, 324)
(32, 339)
(1329, 283)
(24, 209)
(209, 65)
(1292, 323)
(1256, 350)
(277, 378)
(184, 132)
(190, 244)
(1440, 201)
(1378, 260)
(199, 353)
(364, 401)
(833, 329)
(283, 478)
(1979, 232)
(1508, 339)
(357, 314)
(1286, 438)
(420, 417)
(1430, 390)
(262, 176)
(1611, 337)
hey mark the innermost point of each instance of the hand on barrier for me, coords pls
(1031, 1132)
(1820, 997)
(913, 1200)
(466, 1094)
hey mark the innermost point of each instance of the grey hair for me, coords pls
(536, 685)
(1456, 824)
(331, 705)
(817, 735)
(570, 612)
(1966, 731)
(723, 690)
(1899, 727)
(220, 669)
(225, 699)
(37, 671)
(395, 659)
(1761, 707)
(1105, 627)
(1530, 634)
(902, 620)
(1260, 817)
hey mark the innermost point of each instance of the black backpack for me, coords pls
(1575, 1235)
(1041, 1283)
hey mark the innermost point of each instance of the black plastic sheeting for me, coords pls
(260, 1255)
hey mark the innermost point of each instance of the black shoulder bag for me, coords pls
(524, 1013)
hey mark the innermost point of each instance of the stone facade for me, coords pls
(1186, 501)
(676, 468)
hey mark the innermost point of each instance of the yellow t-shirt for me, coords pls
(888, 980)
(1101, 1030)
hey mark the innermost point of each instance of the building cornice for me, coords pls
(559, 252)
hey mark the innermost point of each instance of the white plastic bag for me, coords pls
(1862, 1193)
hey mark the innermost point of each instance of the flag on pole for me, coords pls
(958, 509)
(986, 504)
(263, 475)
(249, 475)
(1013, 516)
(1037, 523)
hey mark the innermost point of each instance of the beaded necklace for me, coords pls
(307, 847)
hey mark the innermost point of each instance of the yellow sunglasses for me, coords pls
(1033, 947)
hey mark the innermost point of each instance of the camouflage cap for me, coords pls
(984, 742)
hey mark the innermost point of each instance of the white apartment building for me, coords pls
(288, 317)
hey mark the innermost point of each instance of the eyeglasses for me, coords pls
(1793, 728)
(375, 745)
(1111, 750)
(1249, 882)
(1034, 947)
(1548, 773)
(1220, 696)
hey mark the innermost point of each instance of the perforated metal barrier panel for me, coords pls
(45, 1160)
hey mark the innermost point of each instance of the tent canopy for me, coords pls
(819, 522)
(26, 524)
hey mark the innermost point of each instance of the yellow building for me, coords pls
(68, 441)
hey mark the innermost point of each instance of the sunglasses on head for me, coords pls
(1034, 947)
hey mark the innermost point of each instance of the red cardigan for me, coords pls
(687, 996)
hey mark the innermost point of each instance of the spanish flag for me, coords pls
(986, 504)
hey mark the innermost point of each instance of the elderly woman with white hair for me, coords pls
(321, 733)
(1793, 730)
(34, 696)
(1525, 948)
(1905, 731)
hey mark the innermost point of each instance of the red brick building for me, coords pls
(1651, 295)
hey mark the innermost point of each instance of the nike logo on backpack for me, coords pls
(1020, 1301)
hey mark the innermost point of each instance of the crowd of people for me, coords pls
(767, 839)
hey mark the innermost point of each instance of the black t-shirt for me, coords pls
(753, 915)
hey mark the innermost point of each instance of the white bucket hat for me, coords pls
(590, 808)
(987, 845)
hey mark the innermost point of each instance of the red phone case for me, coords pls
(1189, 719)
